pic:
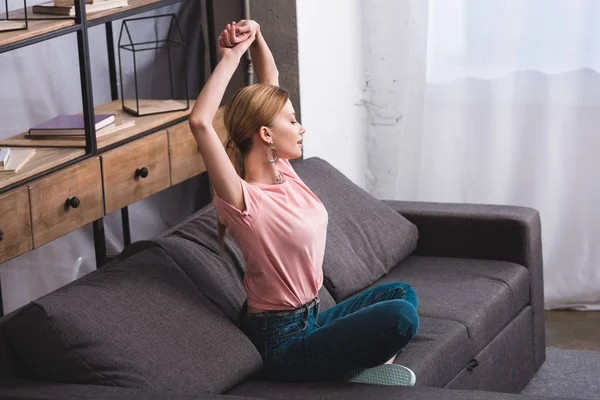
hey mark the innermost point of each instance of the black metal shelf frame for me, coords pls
(81, 27)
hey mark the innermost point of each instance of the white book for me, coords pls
(4, 155)
(18, 159)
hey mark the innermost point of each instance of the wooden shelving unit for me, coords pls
(47, 26)
(72, 182)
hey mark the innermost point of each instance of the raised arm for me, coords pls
(231, 49)
(221, 171)
(262, 58)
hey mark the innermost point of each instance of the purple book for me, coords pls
(69, 125)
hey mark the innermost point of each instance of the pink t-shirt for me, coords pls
(282, 236)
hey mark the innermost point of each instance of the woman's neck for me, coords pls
(260, 171)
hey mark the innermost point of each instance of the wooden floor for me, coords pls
(573, 329)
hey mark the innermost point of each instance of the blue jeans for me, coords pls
(365, 330)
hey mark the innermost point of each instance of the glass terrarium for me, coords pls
(13, 20)
(153, 73)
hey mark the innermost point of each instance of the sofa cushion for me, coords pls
(218, 275)
(9, 362)
(139, 323)
(365, 237)
(438, 353)
(481, 294)
(193, 246)
(26, 389)
(340, 390)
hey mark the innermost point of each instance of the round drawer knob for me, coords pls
(72, 202)
(141, 172)
(1, 235)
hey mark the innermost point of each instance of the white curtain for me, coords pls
(488, 101)
(511, 116)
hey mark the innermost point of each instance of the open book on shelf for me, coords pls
(53, 7)
(18, 159)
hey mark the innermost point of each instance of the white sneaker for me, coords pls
(386, 374)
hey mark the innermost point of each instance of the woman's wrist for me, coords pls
(231, 57)
(258, 38)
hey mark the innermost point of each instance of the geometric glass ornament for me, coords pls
(148, 69)
(16, 24)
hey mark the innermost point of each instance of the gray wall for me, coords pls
(225, 12)
(277, 19)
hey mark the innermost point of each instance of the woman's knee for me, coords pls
(410, 295)
(402, 317)
(405, 292)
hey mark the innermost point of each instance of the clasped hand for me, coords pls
(237, 37)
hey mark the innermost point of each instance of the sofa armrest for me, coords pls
(493, 232)
(25, 389)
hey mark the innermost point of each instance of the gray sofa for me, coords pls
(157, 321)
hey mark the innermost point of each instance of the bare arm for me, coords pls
(221, 171)
(263, 61)
(212, 93)
(262, 58)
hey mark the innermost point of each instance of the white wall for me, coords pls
(362, 82)
(395, 54)
(332, 84)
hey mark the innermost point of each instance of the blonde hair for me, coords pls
(250, 108)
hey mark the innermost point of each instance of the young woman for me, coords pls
(280, 226)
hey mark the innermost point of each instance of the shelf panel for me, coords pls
(43, 160)
(46, 26)
(141, 124)
(38, 30)
(134, 7)
(132, 126)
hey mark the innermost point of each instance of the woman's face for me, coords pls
(286, 133)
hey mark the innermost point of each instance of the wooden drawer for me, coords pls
(65, 200)
(135, 171)
(15, 224)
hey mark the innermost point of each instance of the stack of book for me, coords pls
(70, 126)
(67, 7)
(12, 160)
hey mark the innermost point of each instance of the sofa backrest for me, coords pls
(9, 365)
(365, 237)
(138, 323)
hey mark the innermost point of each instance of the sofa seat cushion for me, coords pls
(138, 323)
(438, 353)
(340, 390)
(365, 237)
(25, 389)
(483, 295)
